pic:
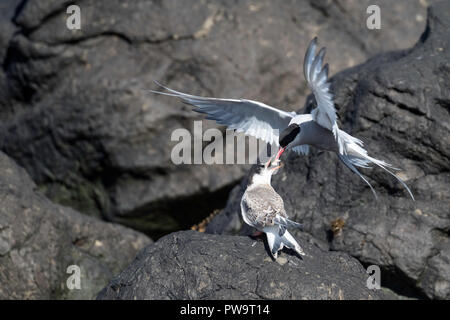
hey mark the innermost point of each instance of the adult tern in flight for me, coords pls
(290, 130)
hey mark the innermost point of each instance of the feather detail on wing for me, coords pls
(302, 149)
(317, 78)
(287, 223)
(250, 117)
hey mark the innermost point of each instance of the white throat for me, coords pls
(264, 177)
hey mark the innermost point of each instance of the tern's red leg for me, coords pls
(257, 234)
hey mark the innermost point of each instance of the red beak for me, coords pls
(280, 152)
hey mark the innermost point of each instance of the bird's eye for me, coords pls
(259, 167)
(288, 134)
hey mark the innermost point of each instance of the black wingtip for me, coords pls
(312, 43)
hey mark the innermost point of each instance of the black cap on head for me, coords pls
(288, 134)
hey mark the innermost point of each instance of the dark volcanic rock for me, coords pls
(74, 115)
(194, 265)
(399, 105)
(39, 240)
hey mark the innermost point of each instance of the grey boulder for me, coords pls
(194, 265)
(39, 241)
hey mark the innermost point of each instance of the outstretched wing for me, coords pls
(317, 77)
(250, 117)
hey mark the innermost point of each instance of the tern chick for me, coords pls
(263, 208)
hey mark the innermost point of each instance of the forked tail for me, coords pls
(353, 155)
(278, 237)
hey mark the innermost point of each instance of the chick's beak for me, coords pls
(276, 168)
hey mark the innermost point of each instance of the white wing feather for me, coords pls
(250, 117)
(317, 78)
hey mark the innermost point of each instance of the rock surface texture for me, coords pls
(399, 105)
(193, 265)
(75, 113)
(39, 240)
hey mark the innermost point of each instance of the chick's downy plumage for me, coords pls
(263, 208)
